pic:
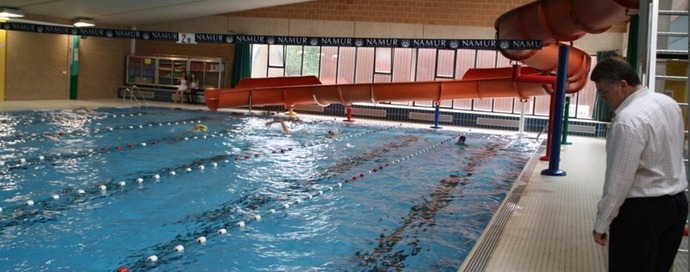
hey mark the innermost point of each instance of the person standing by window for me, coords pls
(643, 206)
(182, 89)
(193, 88)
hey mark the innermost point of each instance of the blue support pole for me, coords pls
(437, 114)
(561, 80)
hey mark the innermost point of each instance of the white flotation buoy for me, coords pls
(55, 196)
(41, 158)
(240, 224)
(140, 180)
(29, 203)
(172, 173)
(202, 167)
(188, 169)
(143, 144)
(222, 231)
(201, 240)
(179, 248)
(257, 217)
(298, 201)
(156, 176)
(80, 191)
(214, 164)
(272, 211)
(152, 258)
(102, 187)
(122, 183)
(22, 160)
(340, 184)
(286, 205)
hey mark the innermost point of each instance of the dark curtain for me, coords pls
(602, 111)
(242, 65)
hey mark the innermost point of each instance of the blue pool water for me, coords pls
(129, 185)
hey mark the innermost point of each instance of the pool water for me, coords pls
(137, 188)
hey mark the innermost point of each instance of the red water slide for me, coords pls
(552, 21)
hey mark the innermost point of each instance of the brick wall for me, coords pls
(101, 66)
(36, 66)
(429, 12)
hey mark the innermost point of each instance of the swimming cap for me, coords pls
(204, 128)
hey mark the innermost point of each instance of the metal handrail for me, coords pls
(132, 92)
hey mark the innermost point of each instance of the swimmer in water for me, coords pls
(85, 110)
(332, 134)
(282, 124)
(461, 140)
(200, 128)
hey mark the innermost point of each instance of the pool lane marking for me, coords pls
(23, 162)
(152, 260)
(82, 131)
(99, 189)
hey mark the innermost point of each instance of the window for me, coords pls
(344, 65)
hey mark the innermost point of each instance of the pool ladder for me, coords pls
(134, 96)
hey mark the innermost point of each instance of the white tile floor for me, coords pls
(550, 218)
(545, 223)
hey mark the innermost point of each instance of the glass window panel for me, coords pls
(346, 65)
(276, 57)
(276, 72)
(382, 78)
(462, 104)
(503, 105)
(445, 65)
(424, 103)
(311, 60)
(383, 60)
(446, 103)
(293, 60)
(329, 64)
(486, 59)
(541, 105)
(582, 104)
(483, 104)
(465, 59)
(365, 65)
(259, 60)
(426, 63)
(403, 71)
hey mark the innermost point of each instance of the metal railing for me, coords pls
(134, 95)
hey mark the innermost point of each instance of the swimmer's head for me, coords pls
(462, 139)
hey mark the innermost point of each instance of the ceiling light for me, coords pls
(11, 13)
(82, 22)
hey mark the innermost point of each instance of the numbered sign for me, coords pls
(187, 38)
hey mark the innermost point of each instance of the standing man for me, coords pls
(643, 206)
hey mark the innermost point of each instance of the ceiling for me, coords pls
(137, 12)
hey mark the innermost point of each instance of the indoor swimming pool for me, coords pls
(138, 188)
